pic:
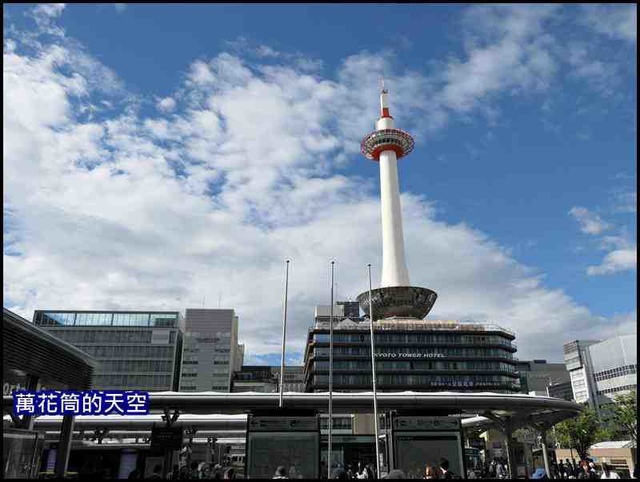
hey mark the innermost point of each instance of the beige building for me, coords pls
(619, 455)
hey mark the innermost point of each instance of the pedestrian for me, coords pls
(445, 473)
(430, 472)
(134, 475)
(281, 473)
(371, 474)
(340, 474)
(230, 473)
(175, 472)
(361, 473)
(157, 472)
(607, 473)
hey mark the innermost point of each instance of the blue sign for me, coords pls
(90, 402)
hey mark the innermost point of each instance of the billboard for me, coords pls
(292, 442)
(419, 441)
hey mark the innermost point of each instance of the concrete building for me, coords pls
(600, 370)
(561, 390)
(254, 378)
(536, 376)
(413, 354)
(136, 350)
(293, 378)
(210, 350)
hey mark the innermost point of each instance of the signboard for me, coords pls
(292, 442)
(163, 438)
(404, 356)
(421, 440)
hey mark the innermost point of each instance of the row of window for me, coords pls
(423, 350)
(618, 389)
(416, 365)
(462, 381)
(136, 366)
(382, 338)
(337, 423)
(215, 388)
(49, 318)
(108, 336)
(128, 351)
(130, 381)
(615, 372)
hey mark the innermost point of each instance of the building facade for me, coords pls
(210, 350)
(412, 354)
(602, 370)
(537, 376)
(135, 350)
(576, 361)
(293, 378)
(254, 378)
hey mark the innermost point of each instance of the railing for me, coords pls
(411, 324)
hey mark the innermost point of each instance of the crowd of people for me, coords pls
(584, 469)
(496, 469)
(194, 470)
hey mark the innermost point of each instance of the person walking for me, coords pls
(445, 473)
(157, 472)
(607, 473)
(430, 472)
(281, 473)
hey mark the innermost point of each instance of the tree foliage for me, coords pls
(622, 417)
(581, 432)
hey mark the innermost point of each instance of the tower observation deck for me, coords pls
(395, 297)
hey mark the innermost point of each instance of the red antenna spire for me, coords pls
(384, 103)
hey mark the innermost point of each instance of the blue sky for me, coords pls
(162, 154)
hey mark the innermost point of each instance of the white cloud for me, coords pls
(590, 223)
(45, 15)
(617, 21)
(166, 104)
(627, 202)
(155, 213)
(506, 49)
(615, 262)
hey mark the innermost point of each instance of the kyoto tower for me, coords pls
(396, 297)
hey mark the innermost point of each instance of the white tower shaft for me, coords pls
(394, 265)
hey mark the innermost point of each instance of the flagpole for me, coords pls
(373, 376)
(330, 446)
(284, 330)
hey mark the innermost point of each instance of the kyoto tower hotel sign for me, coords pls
(395, 297)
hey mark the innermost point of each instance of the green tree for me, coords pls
(581, 432)
(622, 416)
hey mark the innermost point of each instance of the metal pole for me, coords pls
(373, 376)
(330, 445)
(545, 455)
(284, 329)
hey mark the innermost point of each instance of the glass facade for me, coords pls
(135, 350)
(419, 356)
(101, 318)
